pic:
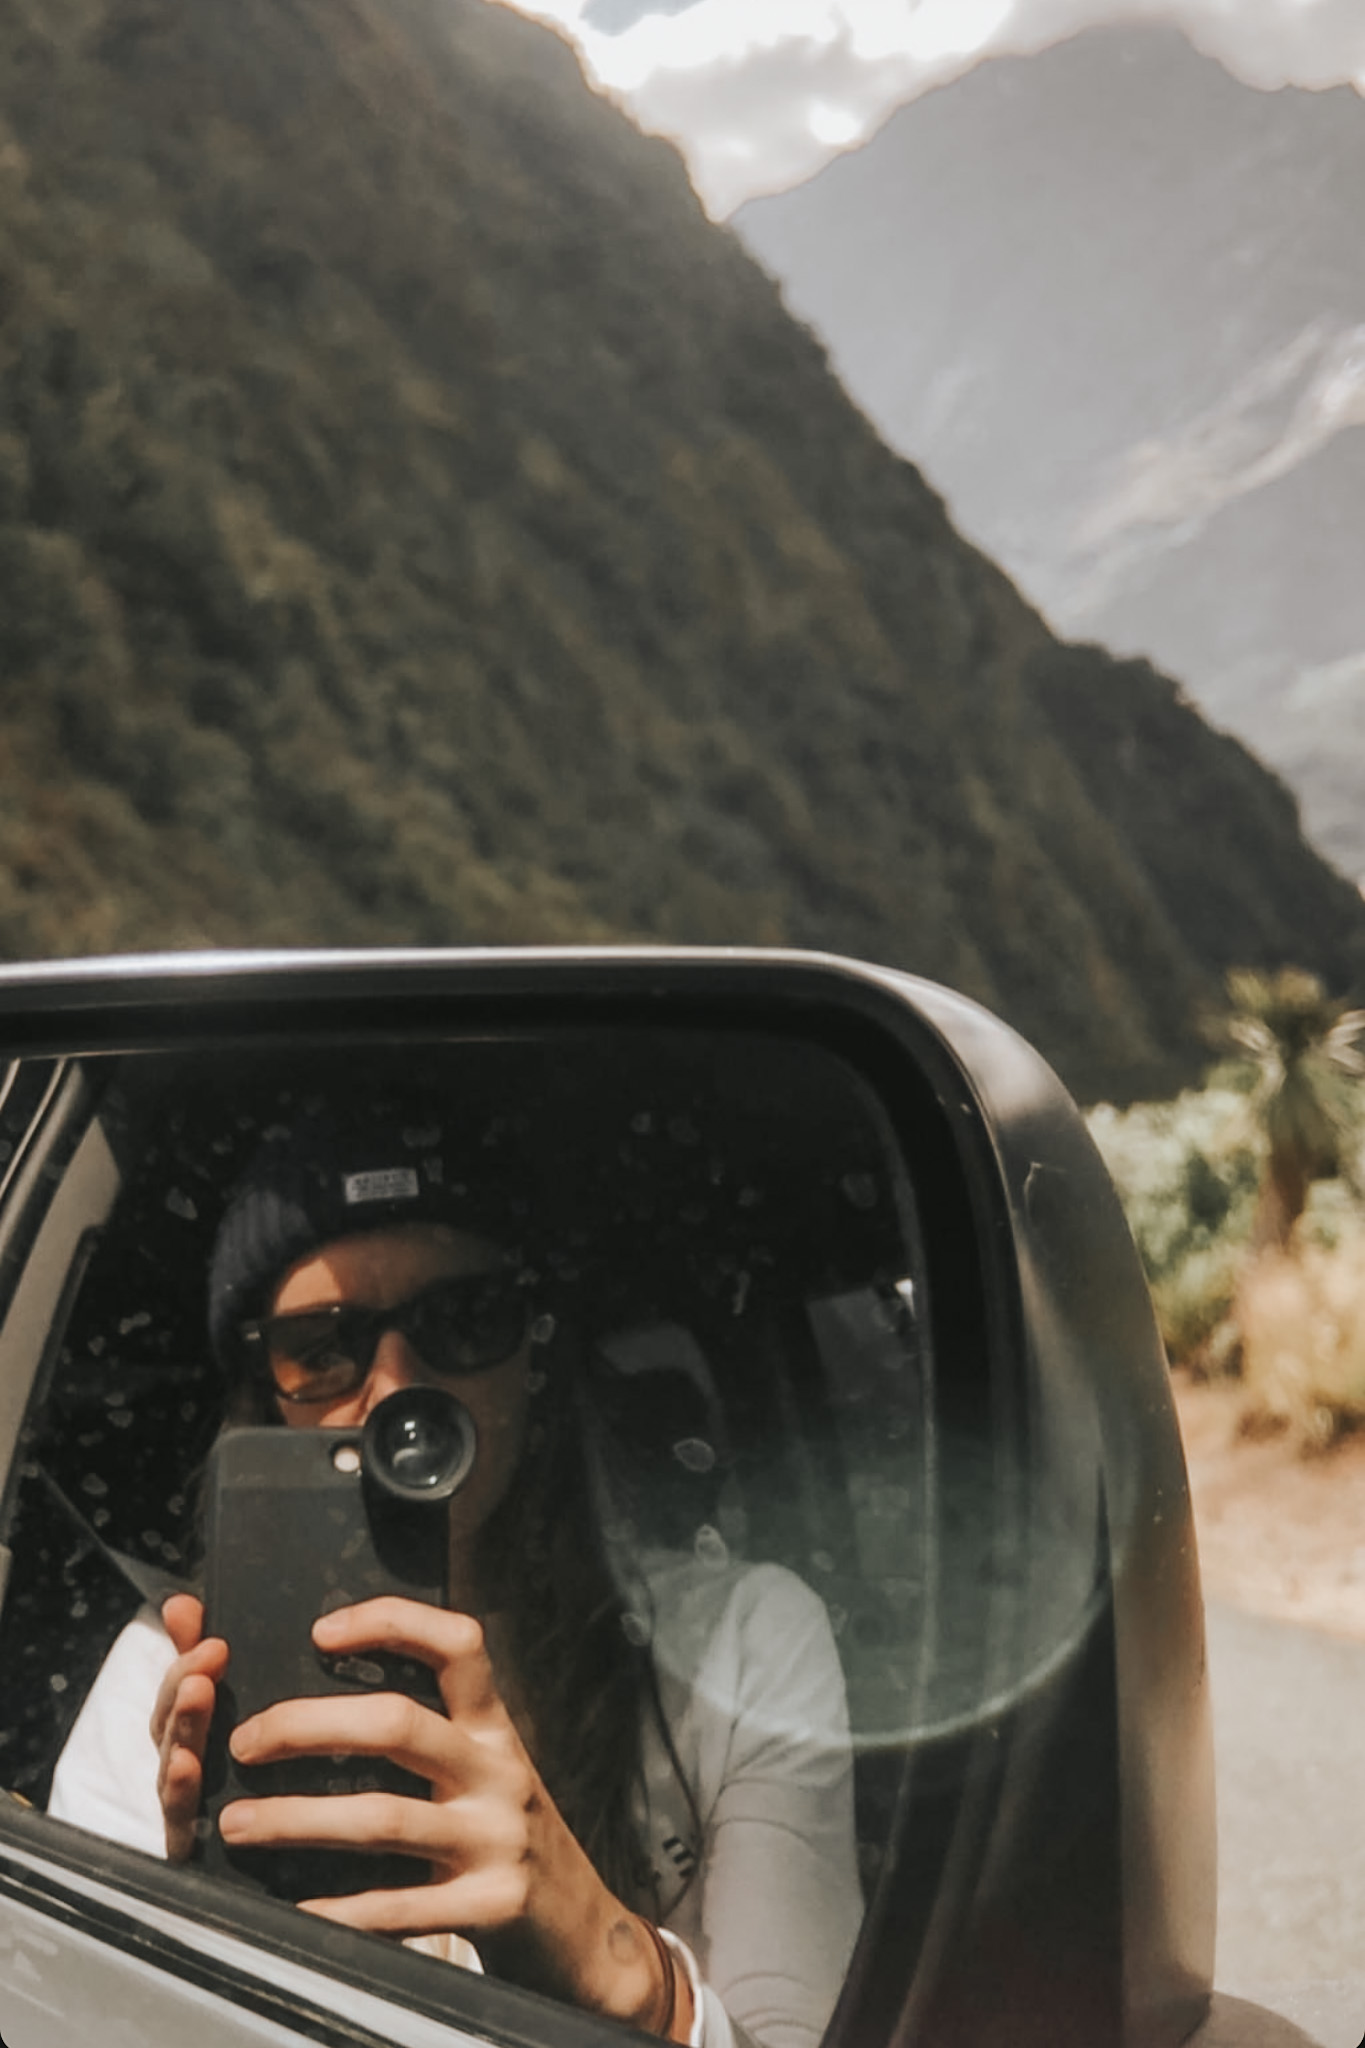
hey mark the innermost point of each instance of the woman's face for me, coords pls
(382, 1269)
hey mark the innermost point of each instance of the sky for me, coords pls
(758, 94)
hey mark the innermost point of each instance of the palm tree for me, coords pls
(1305, 1097)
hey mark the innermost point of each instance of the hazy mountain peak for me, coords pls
(1113, 301)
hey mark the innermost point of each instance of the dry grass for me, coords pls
(1302, 1320)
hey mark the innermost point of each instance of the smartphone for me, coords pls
(296, 1529)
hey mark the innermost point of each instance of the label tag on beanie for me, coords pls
(387, 1184)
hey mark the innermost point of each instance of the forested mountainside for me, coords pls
(418, 524)
(1113, 300)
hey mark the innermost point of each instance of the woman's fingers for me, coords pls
(181, 1717)
(180, 1768)
(387, 1724)
(386, 1912)
(200, 1670)
(475, 1847)
(183, 1618)
(379, 1823)
(180, 1786)
(466, 1905)
(450, 1643)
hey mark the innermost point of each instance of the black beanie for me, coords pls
(321, 1177)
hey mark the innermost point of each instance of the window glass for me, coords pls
(739, 1540)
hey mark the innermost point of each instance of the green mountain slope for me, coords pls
(418, 524)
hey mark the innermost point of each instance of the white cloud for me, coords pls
(922, 30)
(730, 31)
(711, 32)
(837, 126)
(759, 93)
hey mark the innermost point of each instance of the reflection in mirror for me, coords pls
(733, 1543)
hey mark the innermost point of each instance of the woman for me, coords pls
(640, 1782)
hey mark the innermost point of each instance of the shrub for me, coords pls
(1301, 1314)
(1291, 1319)
(1187, 1172)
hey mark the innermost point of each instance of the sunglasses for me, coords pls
(456, 1327)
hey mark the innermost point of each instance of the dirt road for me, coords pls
(1282, 1554)
(1280, 1534)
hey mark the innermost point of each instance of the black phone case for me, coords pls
(292, 1534)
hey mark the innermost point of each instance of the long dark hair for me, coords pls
(586, 1684)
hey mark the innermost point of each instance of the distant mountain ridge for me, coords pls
(418, 524)
(1113, 301)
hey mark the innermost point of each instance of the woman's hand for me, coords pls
(506, 1870)
(181, 1717)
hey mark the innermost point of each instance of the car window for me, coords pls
(747, 1379)
(763, 1501)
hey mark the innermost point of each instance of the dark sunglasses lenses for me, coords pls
(456, 1327)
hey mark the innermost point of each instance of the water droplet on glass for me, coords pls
(642, 1123)
(94, 1486)
(635, 1628)
(710, 1548)
(683, 1131)
(822, 1560)
(59, 1681)
(838, 1619)
(152, 1538)
(740, 1294)
(101, 1518)
(694, 1455)
(79, 1609)
(137, 1322)
(859, 1189)
(180, 1205)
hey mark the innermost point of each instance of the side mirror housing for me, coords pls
(1041, 1800)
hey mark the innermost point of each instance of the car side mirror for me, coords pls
(844, 1325)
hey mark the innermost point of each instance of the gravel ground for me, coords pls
(1280, 1534)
